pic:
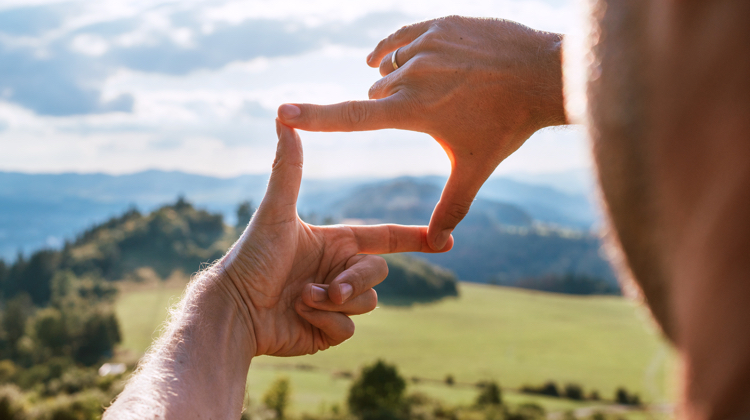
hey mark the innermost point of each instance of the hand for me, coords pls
(298, 282)
(480, 87)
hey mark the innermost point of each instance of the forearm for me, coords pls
(198, 368)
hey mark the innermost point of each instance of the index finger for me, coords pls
(373, 114)
(389, 239)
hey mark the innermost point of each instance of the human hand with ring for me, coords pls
(480, 87)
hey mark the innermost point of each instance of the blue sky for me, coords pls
(123, 86)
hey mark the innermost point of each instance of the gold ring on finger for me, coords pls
(393, 59)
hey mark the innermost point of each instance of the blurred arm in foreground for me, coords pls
(286, 288)
(669, 117)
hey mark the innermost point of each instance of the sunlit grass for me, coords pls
(513, 336)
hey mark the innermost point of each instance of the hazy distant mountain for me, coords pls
(496, 242)
(409, 201)
(573, 181)
(38, 210)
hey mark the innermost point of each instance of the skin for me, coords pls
(669, 99)
(457, 76)
(285, 288)
(668, 105)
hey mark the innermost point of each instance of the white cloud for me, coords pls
(89, 44)
(220, 121)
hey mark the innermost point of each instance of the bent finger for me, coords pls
(397, 39)
(367, 272)
(334, 327)
(385, 86)
(317, 296)
(404, 54)
(344, 116)
(389, 239)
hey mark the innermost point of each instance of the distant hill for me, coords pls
(500, 240)
(43, 210)
(496, 243)
(409, 201)
(415, 280)
(178, 237)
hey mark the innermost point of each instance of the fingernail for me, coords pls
(278, 128)
(442, 239)
(369, 57)
(319, 294)
(289, 111)
(346, 291)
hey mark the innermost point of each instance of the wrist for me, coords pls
(551, 103)
(230, 306)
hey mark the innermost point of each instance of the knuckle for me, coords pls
(457, 211)
(392, 240)
(355, 112)
(401, 32)
(357, 280)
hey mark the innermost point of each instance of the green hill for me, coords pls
(513, 336)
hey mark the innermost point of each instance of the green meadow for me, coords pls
(513, 336)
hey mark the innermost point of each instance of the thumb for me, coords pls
(454, 205)
(280, 202)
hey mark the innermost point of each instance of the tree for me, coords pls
(50, 330)
(622, 396)
(244, 213)
(100, 334)
(35, 278)
(378, 393)
(17, 311)
(277, 397)
(489, 394)
(573, 392)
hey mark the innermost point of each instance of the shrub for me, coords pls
(549, 389)
(527, 411)
(86, 405)
(489, 394)
(8, 371)
(277, 397)
(449, 380)
(622, 396)
(573, 392)
(11, 403)
(378, 393)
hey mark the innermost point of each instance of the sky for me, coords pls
(124, 86)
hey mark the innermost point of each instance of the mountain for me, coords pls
(44, 210)
(497, 242)
(409, 201)
(178, 237)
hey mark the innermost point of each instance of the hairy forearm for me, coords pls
(198, 368)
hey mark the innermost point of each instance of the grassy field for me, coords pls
(513, 336)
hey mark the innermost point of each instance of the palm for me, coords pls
(303, 254)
